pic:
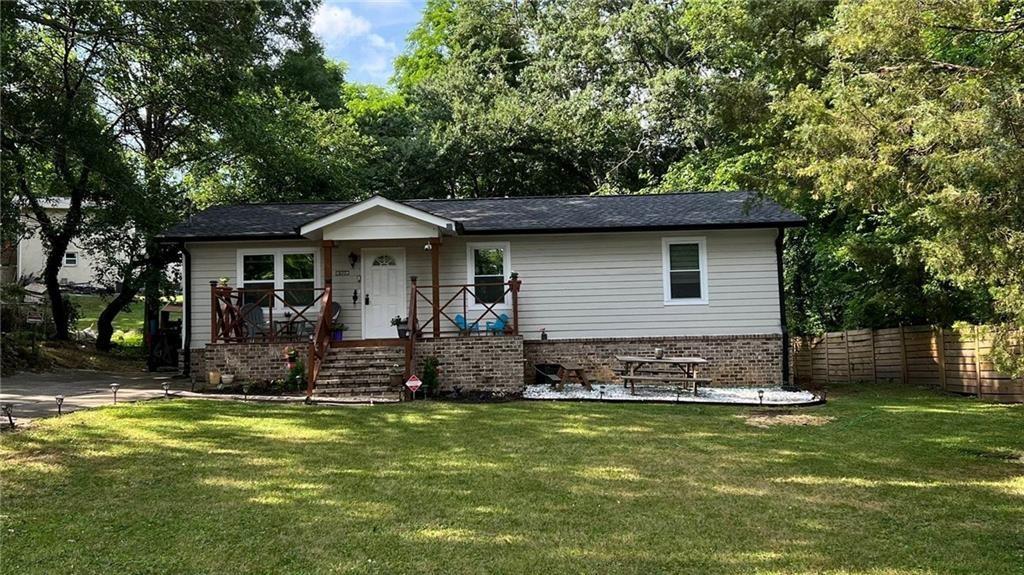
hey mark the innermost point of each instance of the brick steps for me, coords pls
(360, 371)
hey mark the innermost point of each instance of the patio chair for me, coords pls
(498, 327)
(465, 328)
(252, 320)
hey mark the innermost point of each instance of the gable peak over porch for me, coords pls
(378, 218)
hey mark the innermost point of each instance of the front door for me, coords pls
(384, 294)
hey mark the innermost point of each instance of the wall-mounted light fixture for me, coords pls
(428, 246)
(353, 259)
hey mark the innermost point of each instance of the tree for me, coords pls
(157, 81)
(55, 140)
(919, 128)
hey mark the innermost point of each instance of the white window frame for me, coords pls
(506, 248)
(279, 253)
(72, 264)
(666, 275)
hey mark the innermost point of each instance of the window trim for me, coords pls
(471, 247)
(279, 253)
(73, 264)
(666, 275)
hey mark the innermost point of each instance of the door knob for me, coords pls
(366, 299)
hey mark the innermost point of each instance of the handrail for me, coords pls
(228, 324)
(410, 342)
(320, 344)
(467, 291)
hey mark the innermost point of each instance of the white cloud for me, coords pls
(378, 41)
(336, 25)
(367, 36)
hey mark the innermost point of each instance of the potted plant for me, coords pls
(396, 376)
(223, 282)
(291, 356)
(338, 331)
(402, 325)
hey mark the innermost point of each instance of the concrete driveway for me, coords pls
(33, 394)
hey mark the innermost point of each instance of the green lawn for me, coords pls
(90, 307)
(897, 481)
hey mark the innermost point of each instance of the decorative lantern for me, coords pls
(167, 389)
(114, 387)
(60, 401)
(760, 397)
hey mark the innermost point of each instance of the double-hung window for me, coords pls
(71, 259)
(292, 270)
(488, 268)
(685, 270)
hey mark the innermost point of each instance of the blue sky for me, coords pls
(366, 34)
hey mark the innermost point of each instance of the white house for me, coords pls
(26, 258)
(487, 286)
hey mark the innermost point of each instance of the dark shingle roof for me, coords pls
(532, 214)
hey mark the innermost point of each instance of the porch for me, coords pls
(389, 308)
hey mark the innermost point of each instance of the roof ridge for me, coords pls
(547, 196)
(526, 197)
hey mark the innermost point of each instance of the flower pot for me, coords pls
(337, 335)
(403, 330)
(228, 378)
(213, 377)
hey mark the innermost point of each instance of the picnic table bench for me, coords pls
(637, 368)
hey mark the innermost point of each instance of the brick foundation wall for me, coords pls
(248, 361)
(733, 360)
(492, 364)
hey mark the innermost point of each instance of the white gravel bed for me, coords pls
(616, 392)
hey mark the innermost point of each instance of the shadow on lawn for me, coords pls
(892, 484)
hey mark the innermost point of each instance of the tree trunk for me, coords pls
(105, 323)
(62, 330)
(54, 262)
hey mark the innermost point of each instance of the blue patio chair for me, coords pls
(253, 322)
(464, 327)
(498, 327)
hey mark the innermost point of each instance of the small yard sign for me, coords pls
(413, 383)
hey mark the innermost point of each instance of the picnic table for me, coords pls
(637, 368)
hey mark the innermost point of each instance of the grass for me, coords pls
(90, 307)
(891, 481)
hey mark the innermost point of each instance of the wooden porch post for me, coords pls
(328, 263)
(514, 284)
(435, 290)
(214, 307)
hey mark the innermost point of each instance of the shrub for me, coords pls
(430, 376)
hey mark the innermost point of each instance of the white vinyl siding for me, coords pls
(574, 285)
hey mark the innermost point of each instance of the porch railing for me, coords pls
(264, 314)
(318, 347)
(444, 320)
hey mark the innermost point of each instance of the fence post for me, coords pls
(903, 357)
(977, 361)
(942, 358)
(849, 362)
(874, 358)
(828, 362)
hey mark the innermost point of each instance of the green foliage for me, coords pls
(431, 380)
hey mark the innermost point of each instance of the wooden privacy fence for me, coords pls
(945, 358)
